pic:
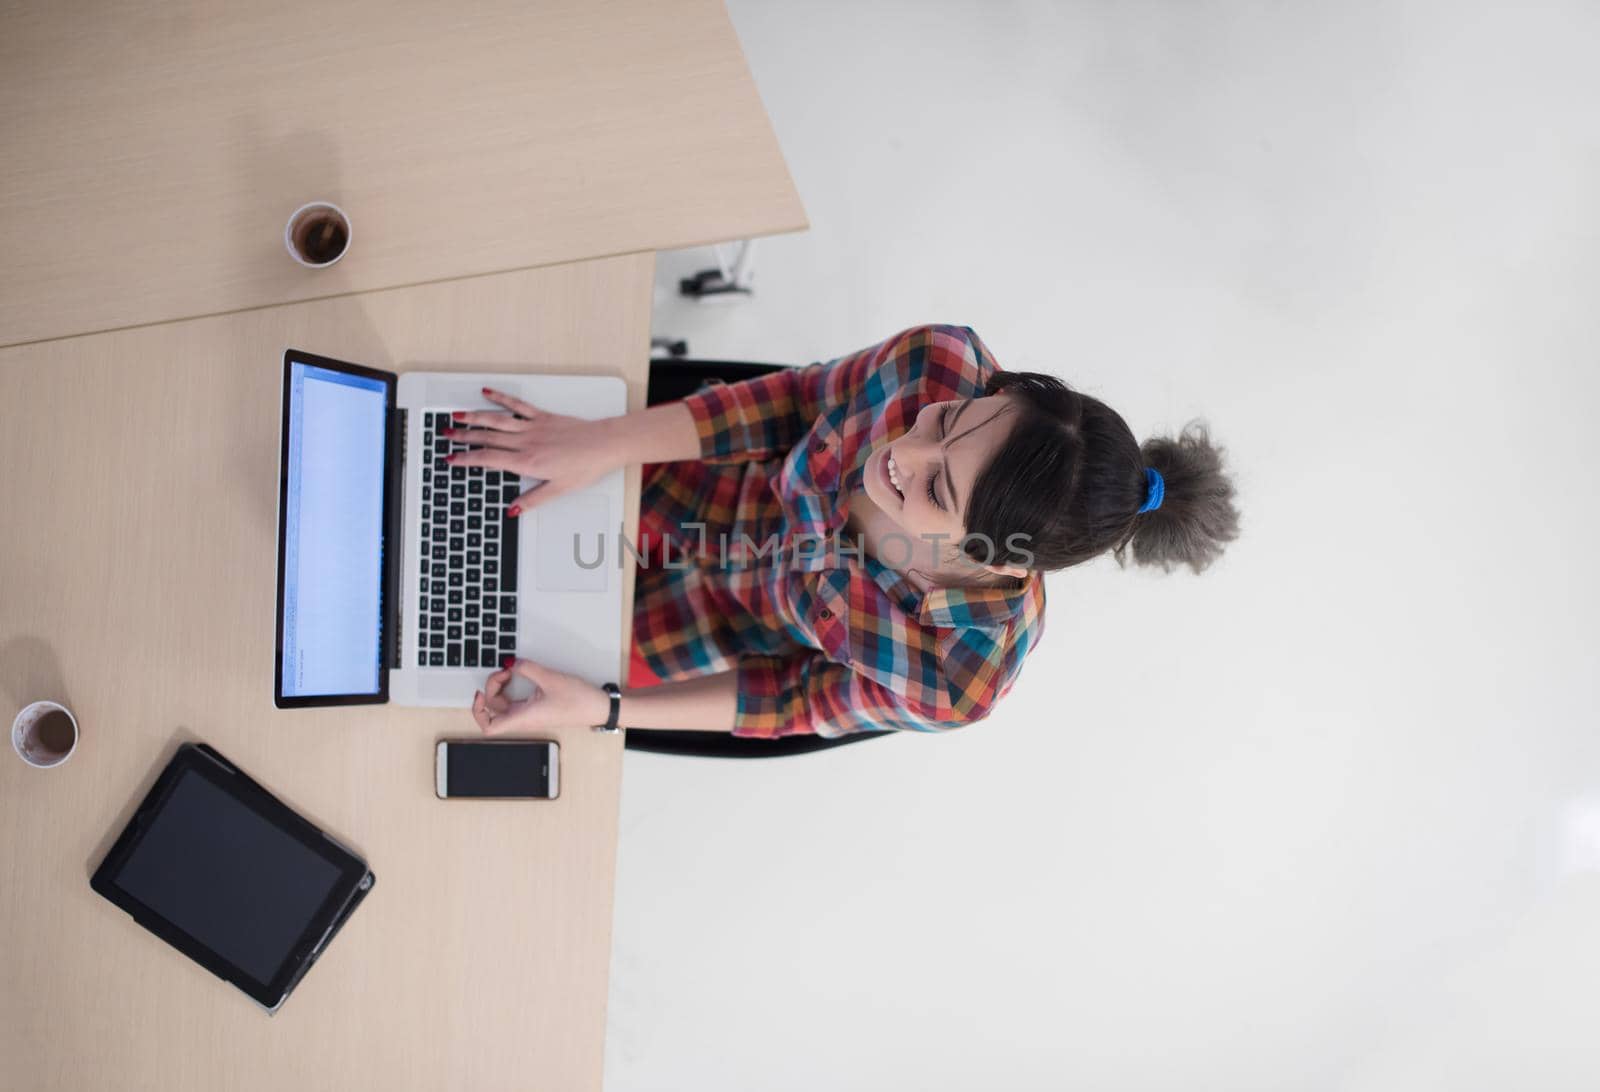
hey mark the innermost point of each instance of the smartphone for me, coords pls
(528, 769)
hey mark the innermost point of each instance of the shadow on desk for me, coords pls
(30, 672)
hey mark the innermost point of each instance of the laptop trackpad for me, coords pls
(570, 551)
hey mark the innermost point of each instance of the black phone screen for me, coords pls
(503, 768)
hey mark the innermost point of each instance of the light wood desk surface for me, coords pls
(152, 150)
(137, 585)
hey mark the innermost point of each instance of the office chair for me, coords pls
(671, 380)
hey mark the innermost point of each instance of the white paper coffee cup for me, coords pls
(41, 737)
(317, 234)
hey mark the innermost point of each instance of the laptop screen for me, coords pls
(331, 595)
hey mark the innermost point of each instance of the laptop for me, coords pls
(400, 579)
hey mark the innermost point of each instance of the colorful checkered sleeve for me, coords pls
(758, 418)
(956, 683)
(765, 417)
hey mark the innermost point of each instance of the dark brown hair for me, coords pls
(1071, 478)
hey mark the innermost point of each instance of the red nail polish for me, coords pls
(513, 512)
(507, 661)
(486, 390)
(458, 416)
(450, 458)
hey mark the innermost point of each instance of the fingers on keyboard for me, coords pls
(467, 614)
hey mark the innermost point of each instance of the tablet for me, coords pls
(230, 876)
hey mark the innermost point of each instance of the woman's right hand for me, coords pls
(567, 453)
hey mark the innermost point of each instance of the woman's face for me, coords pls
(923, 480)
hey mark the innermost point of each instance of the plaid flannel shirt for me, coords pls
(823, 641)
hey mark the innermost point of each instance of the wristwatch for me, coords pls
(614, 692)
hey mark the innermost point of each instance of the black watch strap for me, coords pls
(614, 692)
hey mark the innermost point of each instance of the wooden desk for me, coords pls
(137, 584)
(151, 150)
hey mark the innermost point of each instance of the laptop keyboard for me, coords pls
(468, 558)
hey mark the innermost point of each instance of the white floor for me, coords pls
(1325, 818)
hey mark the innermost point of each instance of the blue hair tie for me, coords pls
(1155, 490)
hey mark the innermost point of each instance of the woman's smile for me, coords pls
(889, 473)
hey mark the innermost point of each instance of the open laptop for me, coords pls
(399, 576)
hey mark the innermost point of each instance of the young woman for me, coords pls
(856, 545)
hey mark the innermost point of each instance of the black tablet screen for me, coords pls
(227, 877)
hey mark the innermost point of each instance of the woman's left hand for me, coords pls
(559, 701)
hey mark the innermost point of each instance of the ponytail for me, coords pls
(1195, 517)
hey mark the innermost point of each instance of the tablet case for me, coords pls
(104, 880)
